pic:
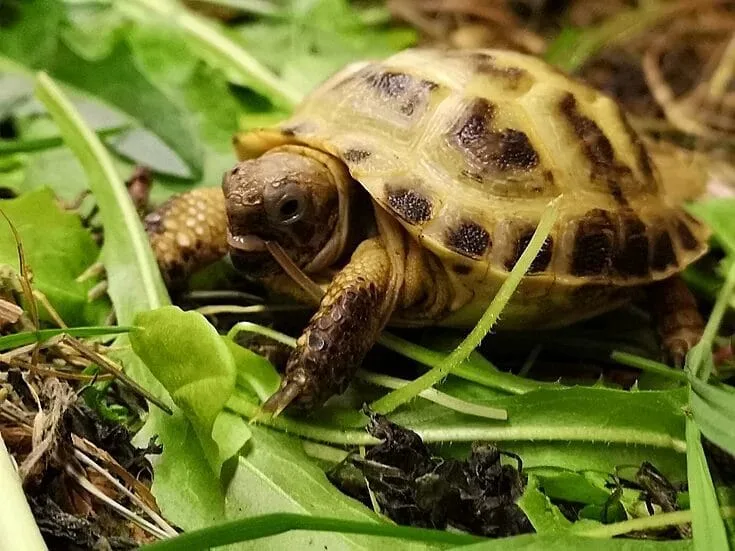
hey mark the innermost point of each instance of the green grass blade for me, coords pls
(696, 356)
(433, 395)
(8, 342)
(403, 395)
(486, 374)
(251, 528)
(9, 147)
(134, 280)
(206, 36)
(708, 528)
(645, 364)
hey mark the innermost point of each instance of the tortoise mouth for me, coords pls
(246, 243)
(250, 256)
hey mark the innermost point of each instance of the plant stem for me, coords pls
(18, 530)
(646, 523)
(491, 377)
(696, 357)
(8, 147)
(433, 395)
(391, 401)
(644, 364)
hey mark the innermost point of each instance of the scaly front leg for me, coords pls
(358, 303)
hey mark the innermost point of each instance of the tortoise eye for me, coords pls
(289, 206)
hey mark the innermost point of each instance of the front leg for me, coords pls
(351, 315)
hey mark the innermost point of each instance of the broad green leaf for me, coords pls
(708, 528)
(143, 100)
(58, 249)
(140, 99)
(275, 475)
(617, 427)
(544, 516)
(31, 36)
(185, 353)
(319, 38)
(214, 45)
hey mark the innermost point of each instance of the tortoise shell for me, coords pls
(467, 148)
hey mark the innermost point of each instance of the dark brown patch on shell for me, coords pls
(354, 155)
(468, 239)
(632, 257)
(541, 262)
(409, 205)
(644, 161)
(686, 237)
(663, 254)
(401, 90)
(485, 64)
(507, 149)
(594, 241)
(597, 147)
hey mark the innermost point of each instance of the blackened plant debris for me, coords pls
(413, 487)
(659, 491)
(62, 530)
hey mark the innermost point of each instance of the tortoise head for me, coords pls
(290, 196)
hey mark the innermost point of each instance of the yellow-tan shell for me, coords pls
(467, 148)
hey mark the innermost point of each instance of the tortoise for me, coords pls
(407, 189)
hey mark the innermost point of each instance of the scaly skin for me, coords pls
(188, 232)
(680, 325)
(347, 324)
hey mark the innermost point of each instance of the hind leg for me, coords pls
(680, 325)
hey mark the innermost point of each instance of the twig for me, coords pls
(110, 366)
(134, 498)
(128, 514)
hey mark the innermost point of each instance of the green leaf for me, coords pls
(544, 516)
(58, 249)
(319, 38)
(717, 213)
(275, 475)
(142, 100)
(31, 37)
(135, 283)
(578, 428)
(708, 528)
(214, 44)
(579, 487)
(177, 346)
(254, 371)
